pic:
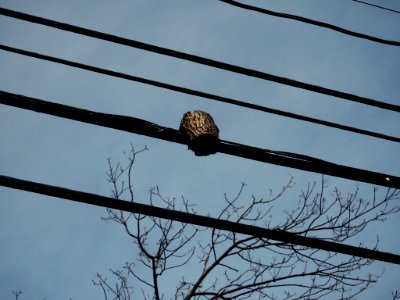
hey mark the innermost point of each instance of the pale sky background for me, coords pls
(53, 248)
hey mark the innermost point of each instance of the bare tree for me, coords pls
(395, 295)
(226, 265)
(16, 294)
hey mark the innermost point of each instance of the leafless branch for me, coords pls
(226, 265)
(16, 294)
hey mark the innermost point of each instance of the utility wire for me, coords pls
(198, 59)
(184, 217)
(198, 93)
(378, 6)
(138, 126)
(312, 22)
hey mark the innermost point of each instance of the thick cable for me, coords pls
(143, 127)
(198, 93)
(198, 59)
(312, 22)
(184, 217)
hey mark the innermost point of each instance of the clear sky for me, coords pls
(53, 248)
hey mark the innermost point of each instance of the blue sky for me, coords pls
(53, 248)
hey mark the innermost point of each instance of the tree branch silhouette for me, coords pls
(229, 265)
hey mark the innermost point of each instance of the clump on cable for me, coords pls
(200, 131)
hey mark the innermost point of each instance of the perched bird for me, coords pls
(200, 131)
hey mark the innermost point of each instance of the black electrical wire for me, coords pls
(378, 6)
(184, 217)
(312, 22)
(198, 93)
(198, 59)
(143, 127)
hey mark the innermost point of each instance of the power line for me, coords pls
(378, 6)
(184, 217)
(143, 127)
(312, 22)
(198, 59)
(198, 93)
